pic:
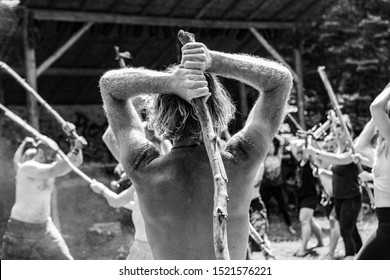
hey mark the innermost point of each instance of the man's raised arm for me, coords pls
(271, 79)
(119, 86)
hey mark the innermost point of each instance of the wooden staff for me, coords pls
(220, 178)
(256, 237)
(332, 96)
(49, 142)
(52, 112)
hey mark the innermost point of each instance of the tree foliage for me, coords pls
(352, 42)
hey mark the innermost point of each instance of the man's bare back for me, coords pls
(176, 191)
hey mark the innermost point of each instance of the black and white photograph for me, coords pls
(245, 136)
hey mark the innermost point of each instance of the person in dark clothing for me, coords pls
(308, 199)
(346, 190)
(272, 183)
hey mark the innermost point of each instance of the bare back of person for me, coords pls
(177, 202)
(33, 196)
(176, 190)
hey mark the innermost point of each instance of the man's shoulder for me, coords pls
(244, 148)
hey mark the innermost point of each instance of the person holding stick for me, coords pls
(308, 198)
(272, 184)
(377, 246)
(175, 191)
(345, 188)
(30, 232)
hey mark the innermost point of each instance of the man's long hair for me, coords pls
(175, 119)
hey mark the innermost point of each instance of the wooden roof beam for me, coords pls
(58, 53)
(41, 14)
(53, 71)
(273, 52)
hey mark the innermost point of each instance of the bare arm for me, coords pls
(19, 152)
(56, 169)
(110, 141)
(113, 199)
(362, 144)
(378, 113)
(338, 159)
(119, 86)
(271, 79)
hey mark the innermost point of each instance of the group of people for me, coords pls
(172, 191)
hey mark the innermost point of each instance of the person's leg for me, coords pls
(377, 247)
(370, 249)
(334, 234)
(349, 212)
(52, 245)
(305, 215)
(265, 195)
(279, 195)
(316, 230)
(357, 239)
(16, 244)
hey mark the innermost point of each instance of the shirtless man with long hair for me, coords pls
(176, 190)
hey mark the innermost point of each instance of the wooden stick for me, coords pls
(256, 237)
(332, 96)
(53, 112)
(220, 178)
(44, 139)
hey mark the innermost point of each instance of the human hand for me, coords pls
(68, 128)
(97, 187)
(196, 56)
(356, 158)
(118, 169)
(78, 143)
(189, 84)
(29, 142)
(310, 150)
(50, 142)
(365, 176)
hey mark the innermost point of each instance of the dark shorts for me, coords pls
(310, 201)
(27, 241)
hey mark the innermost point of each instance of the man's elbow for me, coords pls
(375, 108)
(105, 82)
(114, 204)
(286, 80)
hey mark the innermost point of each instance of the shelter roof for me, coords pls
(145, 28)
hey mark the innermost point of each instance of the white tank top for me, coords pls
(381, 172)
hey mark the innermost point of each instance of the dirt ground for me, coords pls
(95, 231)
(284, 244)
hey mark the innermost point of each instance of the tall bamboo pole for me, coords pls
(49, 142)
(31, 90)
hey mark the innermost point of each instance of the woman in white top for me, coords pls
(378, 245)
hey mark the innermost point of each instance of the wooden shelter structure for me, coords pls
(63, 47)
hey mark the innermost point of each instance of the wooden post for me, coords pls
(1, 90)
(273, 52)
(243, 103)
(31, 70)
(300, 94)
